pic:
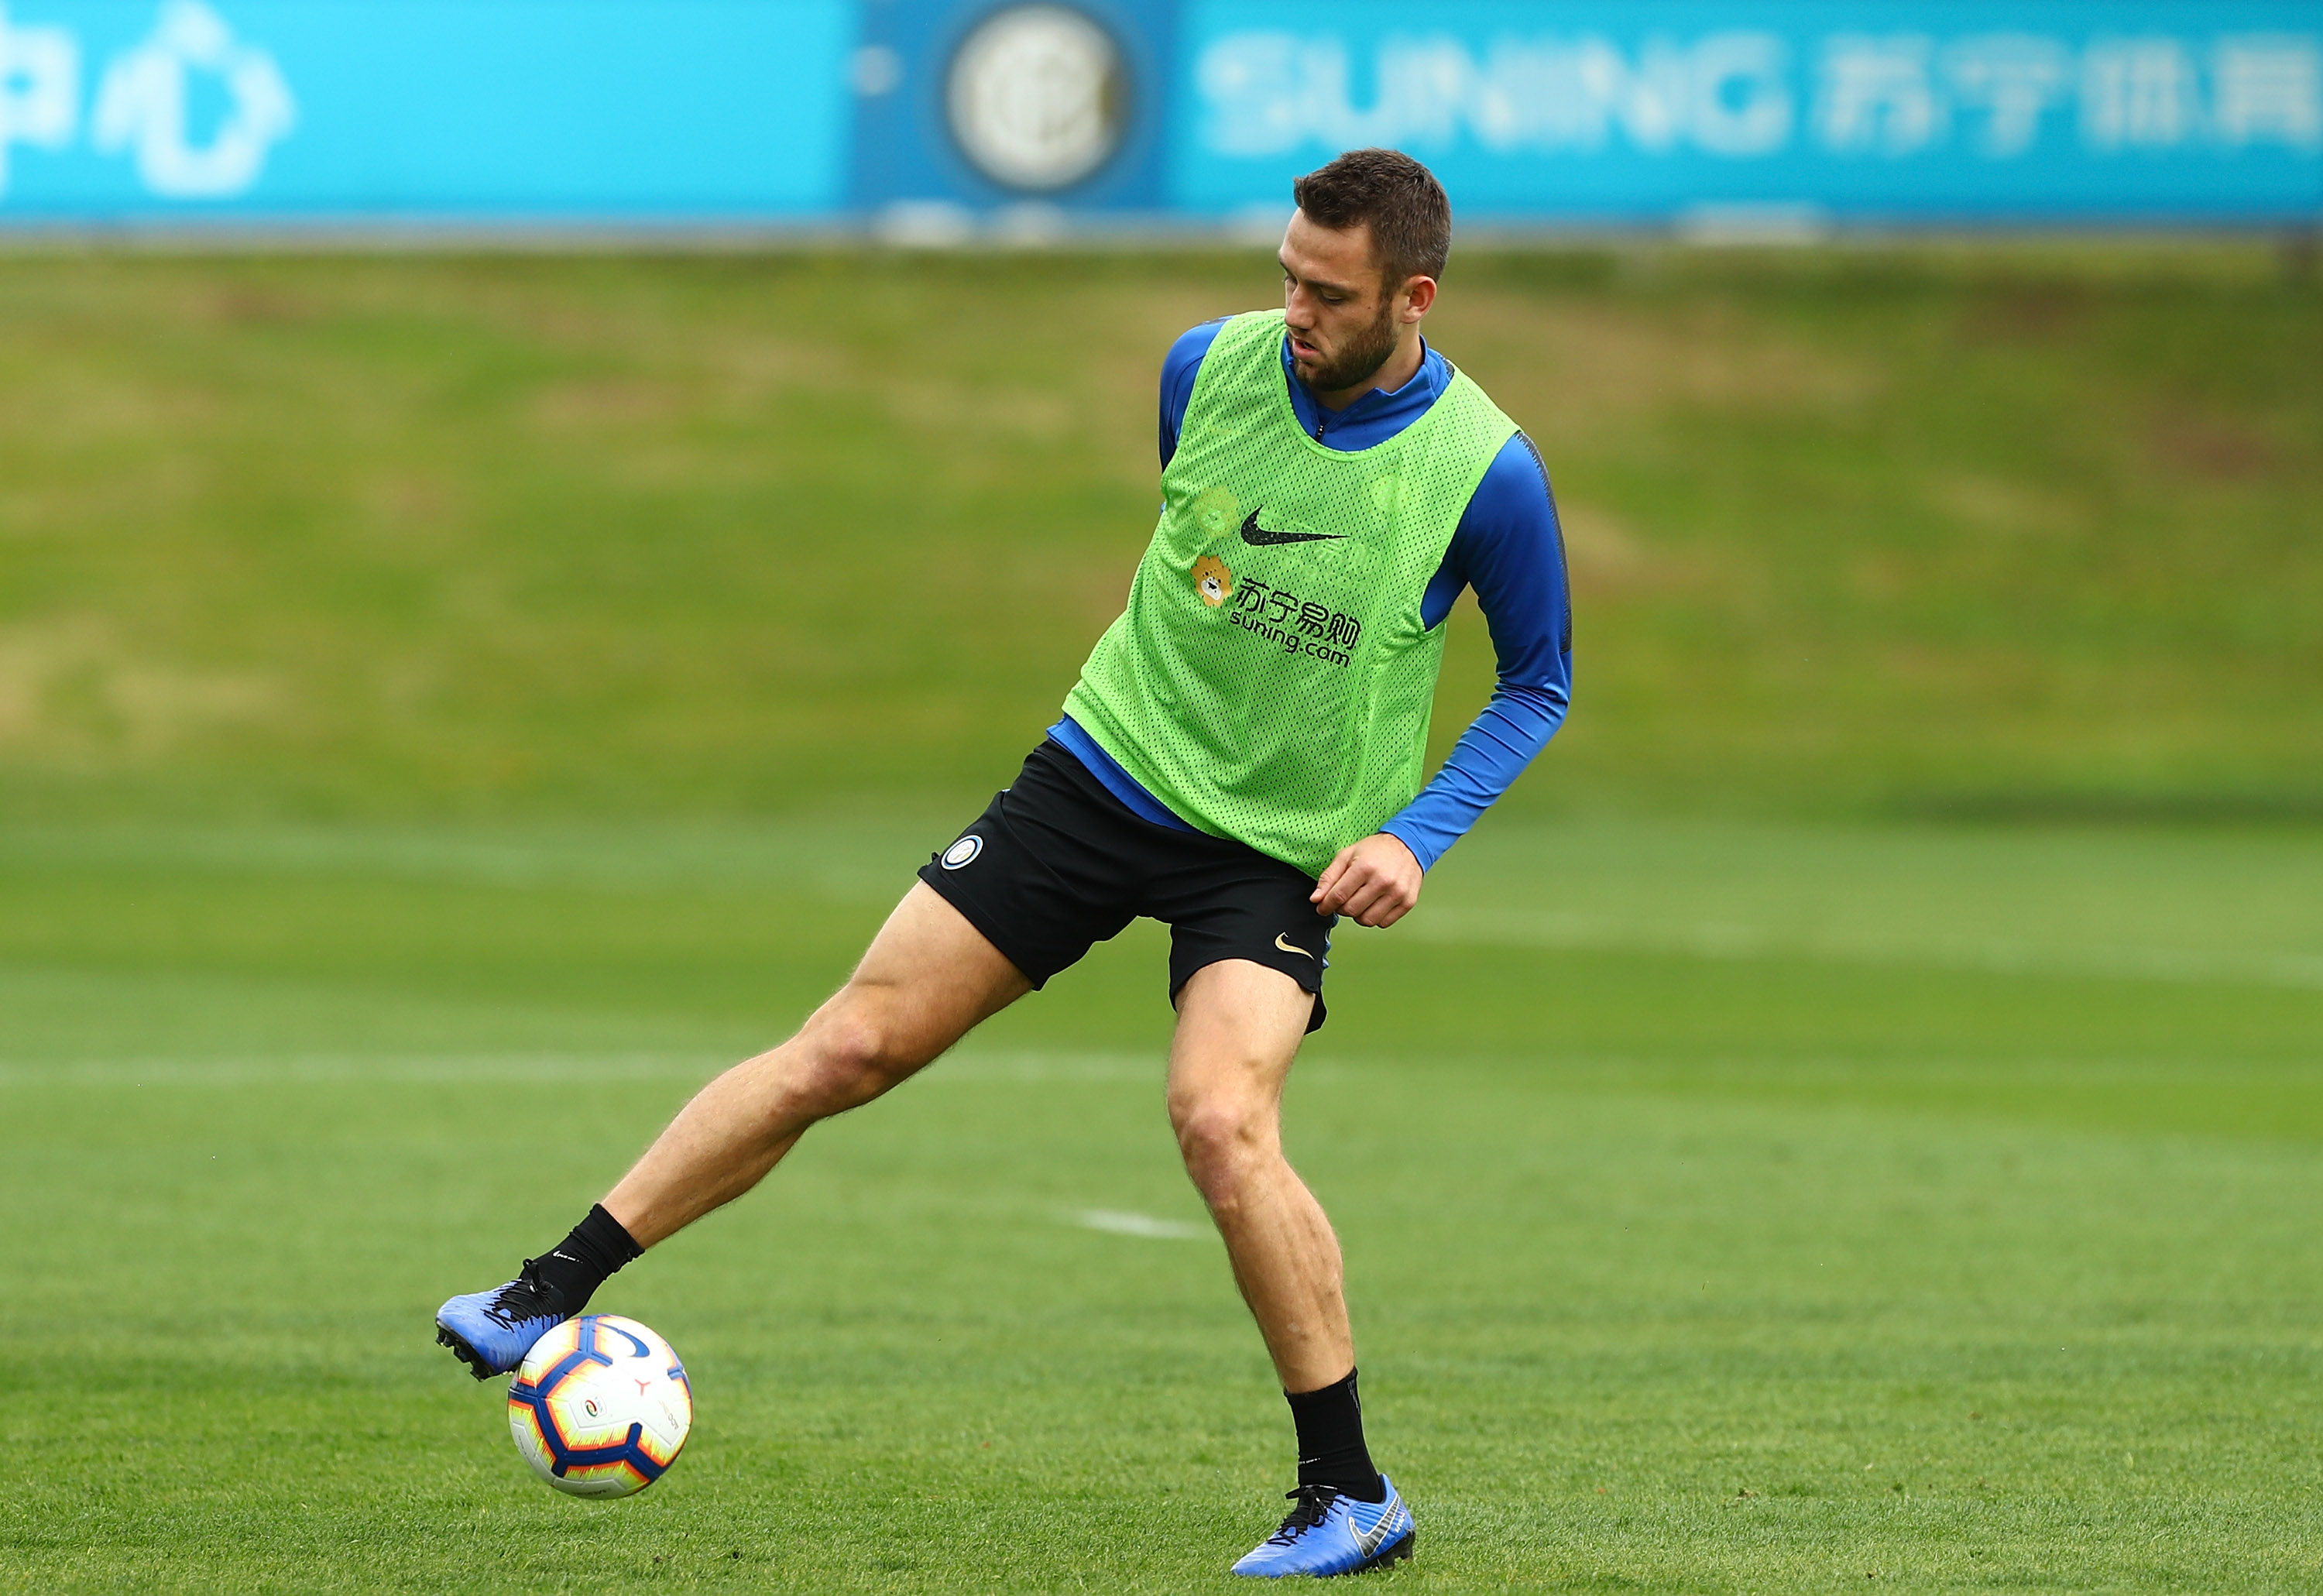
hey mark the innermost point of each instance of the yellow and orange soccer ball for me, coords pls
(601, 1407)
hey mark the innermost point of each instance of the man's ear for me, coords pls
(1420, 294)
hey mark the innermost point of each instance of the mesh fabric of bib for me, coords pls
(1271, 680)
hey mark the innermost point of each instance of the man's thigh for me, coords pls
(1239, 1027)
(930, 978)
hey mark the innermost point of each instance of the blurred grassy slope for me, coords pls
(1930, 529)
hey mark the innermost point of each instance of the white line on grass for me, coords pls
(1544, 928)
(1047, 1067)
(1120, 1221)
(456, 1069)
(331, 1069)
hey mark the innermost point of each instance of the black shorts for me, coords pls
(1057, 864)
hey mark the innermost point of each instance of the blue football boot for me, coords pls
(492, 1331)
(1329, 1533)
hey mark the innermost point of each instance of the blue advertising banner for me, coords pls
(1912, 111)
(500, 109)
(1023, 115)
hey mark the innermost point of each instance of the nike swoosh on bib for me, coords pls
(1258, 536)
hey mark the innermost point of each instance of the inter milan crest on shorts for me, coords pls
(964, 852)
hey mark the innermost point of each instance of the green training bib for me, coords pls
(1271, 680)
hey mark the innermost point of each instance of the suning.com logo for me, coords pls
(139, 106)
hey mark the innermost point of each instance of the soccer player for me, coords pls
(1241, 759)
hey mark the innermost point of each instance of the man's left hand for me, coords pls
(1375, 882)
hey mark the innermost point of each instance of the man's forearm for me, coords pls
(1507, 735)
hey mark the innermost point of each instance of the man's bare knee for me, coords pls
(1223, 1137)
(857, 1046)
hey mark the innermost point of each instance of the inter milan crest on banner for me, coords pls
(1037, 97)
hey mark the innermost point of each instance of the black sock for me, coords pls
(576, 1266)
(1331, 1450)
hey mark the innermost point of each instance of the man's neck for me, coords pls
(1400, 369)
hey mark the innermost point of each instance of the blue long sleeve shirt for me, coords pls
(1508, 547)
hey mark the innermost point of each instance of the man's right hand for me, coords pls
(1375, 882)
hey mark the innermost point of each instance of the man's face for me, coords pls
(1342, 321)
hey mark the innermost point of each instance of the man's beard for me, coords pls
(1363, 357)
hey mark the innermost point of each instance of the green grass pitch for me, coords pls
(1851, 1120)
(1737, 1227)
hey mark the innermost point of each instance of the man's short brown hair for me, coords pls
(1401, 199)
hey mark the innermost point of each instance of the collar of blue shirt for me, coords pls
(1379, 415)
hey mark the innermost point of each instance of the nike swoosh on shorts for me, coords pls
(1281, 940)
